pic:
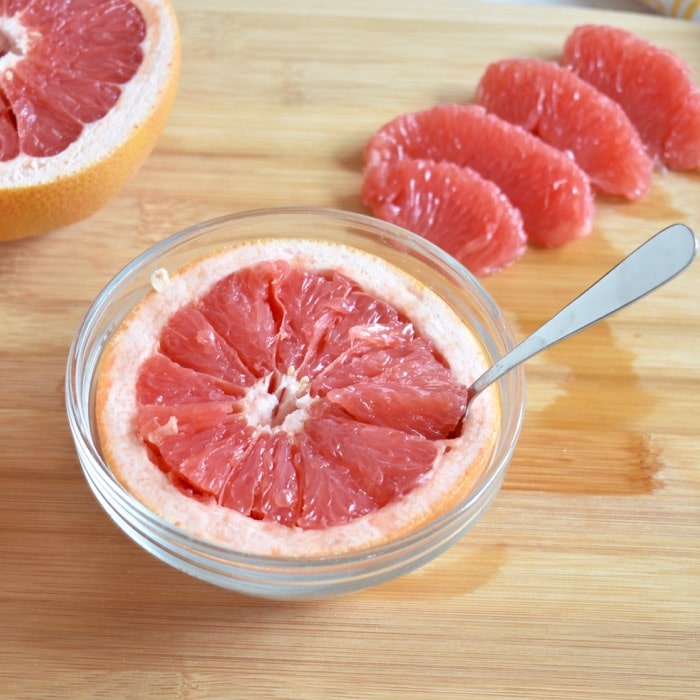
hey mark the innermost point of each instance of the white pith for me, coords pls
(14, 40)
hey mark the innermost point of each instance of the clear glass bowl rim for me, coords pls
(77, 396)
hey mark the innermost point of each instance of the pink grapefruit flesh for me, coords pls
(346, 353)
(454, 207)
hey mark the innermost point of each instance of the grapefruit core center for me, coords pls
(13, 42)
(325, 431)
(279, 401)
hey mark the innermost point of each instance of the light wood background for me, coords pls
(582, 581)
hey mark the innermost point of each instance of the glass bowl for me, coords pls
(291, 577)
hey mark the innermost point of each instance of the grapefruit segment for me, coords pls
(163, 381)
(109, 63)
(200, 460)
(332, 496)
(279, 495)
(262, 481)
(552, 193)
(243, 301)
(373, 387)
(114, 23)
(43, 128)
(369, 354)
(387, 462)
(319, 317)
(349, 324)
(570, 114)
(85, 98)
(412, 409)
(157, 421)
(192, 342)
(651, 84)
(466, 215)
(302, 301)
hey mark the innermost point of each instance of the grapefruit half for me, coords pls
(294, 397)
(85, 91)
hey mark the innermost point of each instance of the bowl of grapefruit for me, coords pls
(274, 401)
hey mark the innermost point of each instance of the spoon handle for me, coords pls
(654, 263)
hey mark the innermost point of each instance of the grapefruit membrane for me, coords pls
(265, 472)
(85, 90)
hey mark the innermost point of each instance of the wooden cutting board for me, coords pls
(582, 581)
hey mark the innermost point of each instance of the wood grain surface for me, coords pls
(583, 580)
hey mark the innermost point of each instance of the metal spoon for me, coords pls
(654, 263)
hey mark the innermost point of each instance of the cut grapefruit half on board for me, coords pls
(85, 90)
(453, 207)
(570, 114)
(295, 398)
(552, 193)
(653, 85)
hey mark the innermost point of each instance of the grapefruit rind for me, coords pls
(38, 195)
(461, 459)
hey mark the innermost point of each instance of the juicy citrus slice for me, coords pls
(551, 192)
(293, 397)
(85, 90)
(572, 115)
(467, 216)
(652, 85)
